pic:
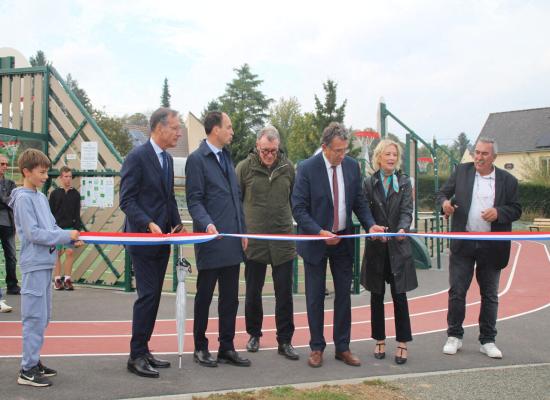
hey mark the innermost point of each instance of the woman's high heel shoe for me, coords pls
(379, 355)
(399, 359)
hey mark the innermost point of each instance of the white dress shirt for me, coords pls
(158, 152)
(215, 150)
(483, 197)
(341, 193)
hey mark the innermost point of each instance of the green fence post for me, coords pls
(295, 276)
(295, 269)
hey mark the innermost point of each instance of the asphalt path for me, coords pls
(522, 340)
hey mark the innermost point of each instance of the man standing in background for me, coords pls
(65, 206)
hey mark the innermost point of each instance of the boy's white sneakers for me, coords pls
(4, 307)
(491, 350)
(452, 345)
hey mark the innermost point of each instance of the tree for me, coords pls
(247, 107)
(534, 170)
(284, 116)
(79, 93)
(460, 145)
(136, 119)
(115, 131)
(328, 111)
(39, 60)
(165, 97)
(304, 138)
(213, 105)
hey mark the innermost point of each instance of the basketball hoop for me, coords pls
(367, 137)
(423, 163)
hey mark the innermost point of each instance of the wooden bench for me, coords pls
(540, 224)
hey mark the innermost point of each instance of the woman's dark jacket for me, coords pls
(395, 212)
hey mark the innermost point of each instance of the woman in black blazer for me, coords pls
(389, 193)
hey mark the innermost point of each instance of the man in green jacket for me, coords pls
(266, 178)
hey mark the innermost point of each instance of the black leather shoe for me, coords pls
(288, 351)
(232, 357)
(140, 366)
(13, 290)
(157, 362)
(204, 358)
(253, 344)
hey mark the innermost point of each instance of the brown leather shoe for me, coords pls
(348, 358)
(315, 359)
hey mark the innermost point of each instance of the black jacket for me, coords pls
(395, 212)
(65, 208)
(460, 186)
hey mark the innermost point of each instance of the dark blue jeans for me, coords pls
(7, 236)
(461, 272)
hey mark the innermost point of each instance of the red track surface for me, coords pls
(523, 289)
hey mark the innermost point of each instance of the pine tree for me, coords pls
(165, 97)
(328, 112)
(247, 107)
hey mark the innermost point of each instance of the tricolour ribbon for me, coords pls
(152, 239)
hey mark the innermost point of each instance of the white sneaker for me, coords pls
(453, 345)
(4, 307)
(491, 350)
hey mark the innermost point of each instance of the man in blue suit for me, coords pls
(326, 191)
(214, 202)
(147, 198)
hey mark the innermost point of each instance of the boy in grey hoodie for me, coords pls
(38, 235)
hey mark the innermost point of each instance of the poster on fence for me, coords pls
(97, 191)
(88, 156)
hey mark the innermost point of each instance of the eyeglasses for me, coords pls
(267, 152)
(339, 151)
(4, 164)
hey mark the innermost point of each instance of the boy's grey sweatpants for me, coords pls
(36, 307)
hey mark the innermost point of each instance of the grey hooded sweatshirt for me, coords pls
(36, 228)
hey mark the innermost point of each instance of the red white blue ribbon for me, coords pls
(155, 239)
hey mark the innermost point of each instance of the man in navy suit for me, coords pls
(214, 202)
(147, 198)
(326, 191)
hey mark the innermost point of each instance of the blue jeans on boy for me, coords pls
(36, 307)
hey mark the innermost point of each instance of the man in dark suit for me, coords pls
(326, 191)
(147, 198)
(214, 202)
(481, 198)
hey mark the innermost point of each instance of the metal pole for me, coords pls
(175, 257)
(383, 115)
(356, 260)
(436, 213)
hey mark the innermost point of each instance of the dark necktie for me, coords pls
(165, 170)
(336, 218)
(223, 162)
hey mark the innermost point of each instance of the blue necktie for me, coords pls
(165, 169)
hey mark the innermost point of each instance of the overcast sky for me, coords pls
(442, 66)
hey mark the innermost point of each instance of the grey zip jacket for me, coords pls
(37, 230)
